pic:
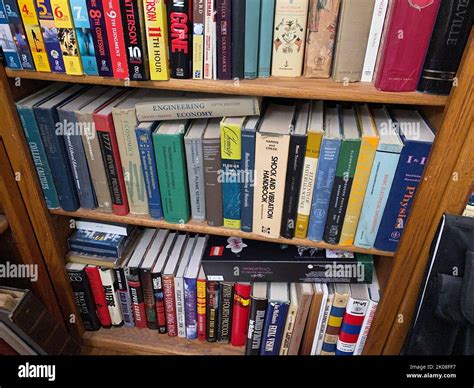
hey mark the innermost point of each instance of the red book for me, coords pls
(201, 306)
(99, 295)
(115, 33)
(170, 305)
(240, 314)
(405, 40)
(104, 125)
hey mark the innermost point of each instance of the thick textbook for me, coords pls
(180, 37)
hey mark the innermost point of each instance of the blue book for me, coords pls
(252, 30)
(144, 133)
(247, 184)
(330, 147)
(47, 119)
(380, 180)
(12, 59)
(275, 319)
(266, 38)
(417, 138)
(84, 36)
(35, 143)
(99, 243)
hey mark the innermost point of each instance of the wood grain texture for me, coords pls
(203, 228)
(3, 224)
(307, 88)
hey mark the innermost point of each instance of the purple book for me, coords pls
(224, 39)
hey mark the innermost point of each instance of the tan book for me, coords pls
(289, 36)
(353, 29)
(290, 320)
(304, 293)
(321, 35)
(312, 321)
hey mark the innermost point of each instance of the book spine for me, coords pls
(171, 164)
(296, 160)
(366, 325)
(180, 314)
(247, 186)
(252, 30)
(113, 168)
(265, 45)
(38, 154)
(136, 296)
(336, 315)
(304, 305)
(373, 44)
(201, 307)
(58, 160)
(110, 290)
(150, 174)
(198, 39)
(226, 302)
(288, 330)
(84, 36)
(95, 11)
(359, 186)
(149, 299)
(180, 27)
(224, 39)
(157, 39)
(238, 38)
(322, 326)
(376, 196)
(99, 296)
(103, 228)
(413, 159)
(211, 150)
(124, 297)
(84, 299)
(212, 310)
(320, 39)
(79, 248)
(34, 35)
(258, 309)
(190, 308)
(240, 314)
(345, 170)
(134, 40)
(322, 193)
(273, 329)
(116, 36)
(9, 48)
(209, 14)
(351, 326)
(18, 31)
(159, 302)
(194, 160)
(170, 305)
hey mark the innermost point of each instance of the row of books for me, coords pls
(156, 279)
(228, 39)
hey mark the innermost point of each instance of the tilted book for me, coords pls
(258, 310)
(180, 37)
(252, 30)
(95, 11)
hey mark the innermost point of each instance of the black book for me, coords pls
(238, 38)
(450, 35)
(258, 308)
(180, 38)
(226, 302)
(294, 168)
(212, 310)
(83, 295)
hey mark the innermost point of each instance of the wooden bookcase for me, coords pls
(447, 183)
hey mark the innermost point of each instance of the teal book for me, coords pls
(168, 141)
(267, 14)
(252, 30)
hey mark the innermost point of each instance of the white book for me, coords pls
(107, 278)
(326, 304)
(120, 229)
(290, 321)
(373, 44)
(208, 38)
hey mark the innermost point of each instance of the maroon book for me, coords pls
(405, 40)
(224, 39)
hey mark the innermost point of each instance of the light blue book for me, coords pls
(252, 30)
(326, 173)
(266, 38)
(380, 181)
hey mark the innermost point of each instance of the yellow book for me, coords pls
(369, 143)
(67, 36)
(157, 39)
(310, 167)
(34, 35)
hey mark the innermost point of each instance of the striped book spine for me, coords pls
(351, 326)
(334, 324)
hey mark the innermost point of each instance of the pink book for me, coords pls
(405, 40)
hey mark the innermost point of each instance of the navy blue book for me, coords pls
(47, 119)
(98, 243)
(275, 318)
(417, 138)
(144, 133)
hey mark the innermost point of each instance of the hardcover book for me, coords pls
(252, 30)
(212, 310)
(238, 38)
(98, 243)
(109, 284)
(105, 227)
(258, 309)
(224, 39)
(290, 320)
(226, 304)
(318, 300)
(305, 295)
(338, 308)
(323, 318)
(123, 290)
(180, 37)
(99, 295)
(198, 39)
(240, 314)
(95, 11)
(113, 24)
(265, 45)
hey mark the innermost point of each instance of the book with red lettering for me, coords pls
(224, 39)
(240, 313)
(95, 11)
(99, 296)
(180, 37)
(405, 40)
(115, 33)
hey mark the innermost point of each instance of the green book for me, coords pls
(168, 141)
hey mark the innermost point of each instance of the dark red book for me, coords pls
(240, 316)
(115, 33)
(224, 39)
(405, 40)
(170, 305)
(99, 295)
(180, 37)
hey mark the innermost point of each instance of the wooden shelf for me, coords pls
(3, 224)
(306, 88)
(203, 228)
(123, 340)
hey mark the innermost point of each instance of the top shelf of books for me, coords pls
(304, 88)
